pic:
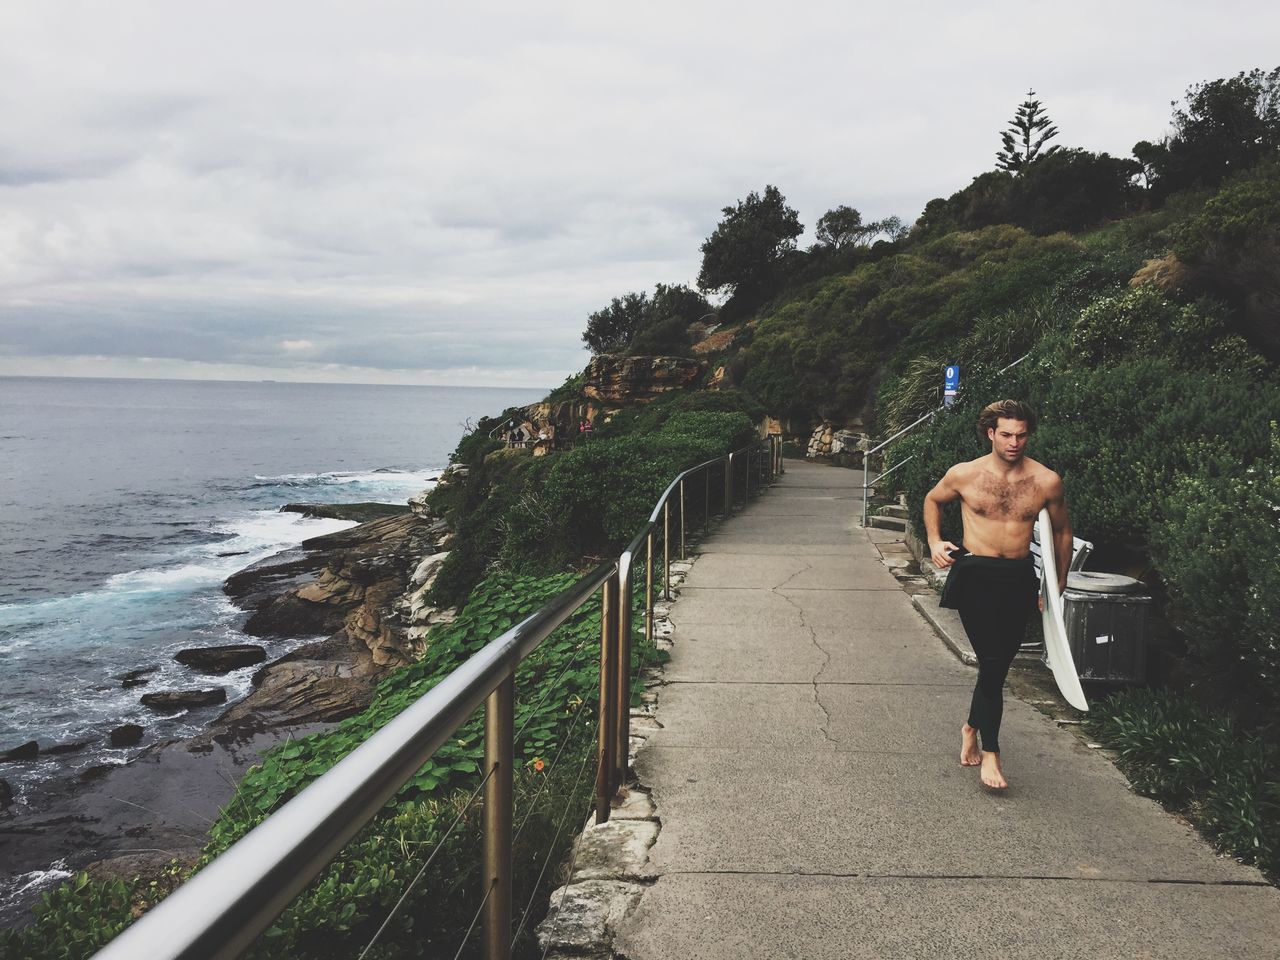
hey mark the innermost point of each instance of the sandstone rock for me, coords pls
(584, 917)
(125, 735)
(263, 581)
(180, 699)
(221, 659)
(27, 751)
(300, 692)
(615, 850)
(425, 572)
(634, 805)
(615, 380)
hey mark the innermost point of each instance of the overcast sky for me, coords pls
(441, 193)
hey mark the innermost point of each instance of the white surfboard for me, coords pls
(1056, 648)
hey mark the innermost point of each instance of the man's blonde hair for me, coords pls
(1009, 410)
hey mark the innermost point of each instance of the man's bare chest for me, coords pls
(998, 499)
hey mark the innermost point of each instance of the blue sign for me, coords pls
(951, 385)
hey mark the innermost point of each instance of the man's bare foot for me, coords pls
(970, 754)
(991, 775)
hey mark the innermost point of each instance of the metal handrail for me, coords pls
(866, 457)
(221, 910)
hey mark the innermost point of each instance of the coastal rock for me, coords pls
(181, 699)
(27, 751)
(615, 380)
(73, 747)
(320, 683)
(359, 577)
(425, 572)
(136, 678)
(125, 735)
(359, 512)
(221, 659)
(6, 794)
(261, 582)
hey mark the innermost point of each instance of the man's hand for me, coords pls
(938, 552)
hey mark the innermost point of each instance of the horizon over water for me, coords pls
(127, 502)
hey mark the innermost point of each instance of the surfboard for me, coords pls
(1057, 649)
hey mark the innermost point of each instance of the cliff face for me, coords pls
(613, 381)
(351, 580)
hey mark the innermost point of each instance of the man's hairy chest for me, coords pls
(999, 499)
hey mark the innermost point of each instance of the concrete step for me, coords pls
(887, 523)
(894, 510)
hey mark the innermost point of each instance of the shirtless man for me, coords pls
(993, 583)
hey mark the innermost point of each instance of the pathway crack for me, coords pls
(813, 635)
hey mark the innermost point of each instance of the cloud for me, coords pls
(408, 188)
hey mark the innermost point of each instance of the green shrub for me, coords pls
(1197, 762)
(1234, 246)
(822, 356)
(1216, 541)
(1120, 434)
(74, 920)
(1144, 322)
(571, 389)
(601, 492)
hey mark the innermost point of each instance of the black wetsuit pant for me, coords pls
(995, 597)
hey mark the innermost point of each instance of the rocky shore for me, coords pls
(361, 589)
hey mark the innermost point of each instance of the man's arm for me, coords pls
(1062, 535)
(946, 491)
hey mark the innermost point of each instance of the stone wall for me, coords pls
(829, 440)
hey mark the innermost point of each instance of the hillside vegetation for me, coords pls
(1142, 298)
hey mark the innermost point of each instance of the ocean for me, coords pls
(124, 504)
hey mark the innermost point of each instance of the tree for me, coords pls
(611, 329)
(678, 301)
(636, 323)
(1028, 132)
(742, 255)
(840, 227)
(1072, 189)
(1227, 125)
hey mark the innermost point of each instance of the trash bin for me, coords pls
(1108, 619)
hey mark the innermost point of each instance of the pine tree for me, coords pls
(1028, 132)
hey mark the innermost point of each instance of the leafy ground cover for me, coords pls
(1198, 762)
(557, 697)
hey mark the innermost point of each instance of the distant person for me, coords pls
(993, 582)
(588, 427)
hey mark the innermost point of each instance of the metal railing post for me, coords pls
(608, 715)
(499, 757)
(666, 551)
(866, 467)
(706, 500)
(682, 523)
(728, 486)
(622, 676)
(648, 588)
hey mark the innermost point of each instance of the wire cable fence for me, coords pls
(567, 729)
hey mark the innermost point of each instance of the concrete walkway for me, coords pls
(812, 803)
